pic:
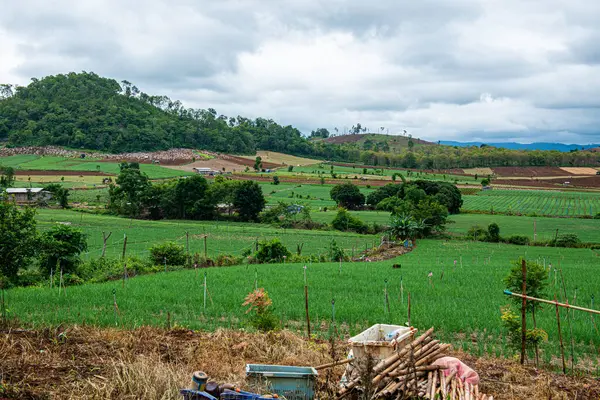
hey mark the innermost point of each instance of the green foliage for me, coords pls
(290, 168)
(348, 196)
(287, 215)
(344, 221)
(60, 248)
(382, 193)
(337, 253)
(169, 252)
(275, 180)
(485, 182)
(7, 176)
(18, 237)
(257, 163)
(248, 200)
(260, 304)
(520, 240)
(493, 233)
(271, 251)
(512, 323)
(445, 193)
(59, 194)
(187, 198)
(320, 133)
(134, 186)
(566, 240)
(476, 232)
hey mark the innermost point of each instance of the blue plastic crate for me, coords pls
(293, 383)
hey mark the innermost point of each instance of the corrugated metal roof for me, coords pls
(23, 190)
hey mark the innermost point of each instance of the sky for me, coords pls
(466, 70)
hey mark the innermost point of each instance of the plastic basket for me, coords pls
(293, 383)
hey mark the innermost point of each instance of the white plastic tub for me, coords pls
(373, 341)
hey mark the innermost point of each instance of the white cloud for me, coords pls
(467, 70)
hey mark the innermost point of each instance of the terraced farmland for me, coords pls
(540, 202)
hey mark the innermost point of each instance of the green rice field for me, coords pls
(540, 202)
(224, 237)
(52, 163)
(462, 300)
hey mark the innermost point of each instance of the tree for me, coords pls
(320, 133)
(348, 196)
(485, 182)
(344, 221)
(275, 180)
(258, 163)
(128, 198)
(59, 193)
(248, 200)
(402, 226)
(7, 177)
(188, 198)
(60, 248)
(18, 236)
(493, 233)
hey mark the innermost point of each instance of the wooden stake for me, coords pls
(123, 258)
(408, 309)
(205, 248)
(187, 244)
(523, 308)
(104, 239)
(562, 347)
(569, 318)
(205, 291)
(306, 304)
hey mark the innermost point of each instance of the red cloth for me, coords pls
(464, 372)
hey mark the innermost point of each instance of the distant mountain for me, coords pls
(524, 146)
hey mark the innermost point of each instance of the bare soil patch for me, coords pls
(281, 158)
(151, 363)
(528, 171)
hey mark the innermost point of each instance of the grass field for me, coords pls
(464, 306)
(531, 201)
(31, 162)
(588, 230)
(313, 195)
(223, 237)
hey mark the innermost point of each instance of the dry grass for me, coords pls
(283, 159)
(580, 170)
(150, 363)
(482, 172)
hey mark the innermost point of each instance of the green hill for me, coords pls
(377, 142)
(88, 111)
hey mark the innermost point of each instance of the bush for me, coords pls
(171, 251)
(259, 303)
(347, 195)
(567, 240)
(269, 251)
(344, 221)
(520, 240)
(337, 253)
(476, 232)
(275, 180)
(493, 233)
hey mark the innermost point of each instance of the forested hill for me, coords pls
(92, 112)
(84, 110)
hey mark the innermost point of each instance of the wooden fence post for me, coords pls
(523, 309)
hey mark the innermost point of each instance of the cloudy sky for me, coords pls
(492, 70)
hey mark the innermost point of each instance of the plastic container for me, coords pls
(373, 341)
(293, 383)
(239, 395)
(191, 394)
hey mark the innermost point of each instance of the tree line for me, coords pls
(190, 197)
(84, 110)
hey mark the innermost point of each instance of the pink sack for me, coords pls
(465, 373)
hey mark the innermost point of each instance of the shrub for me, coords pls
(272, 250)
(347, 195)
(344, 221)
(275, 180)
(171, 251)
(337, 253)
(567, 240)
(476, 232)
(493, 233)
(520, 240)
(597, 216)
(290, 168)
(259, 303)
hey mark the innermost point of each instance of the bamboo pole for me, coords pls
(523, 309)
(334, 364)
(562, 347)
(306, 304)
(555, 302)
(569, 320)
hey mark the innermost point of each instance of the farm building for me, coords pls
(206, 171)
(27, 195)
